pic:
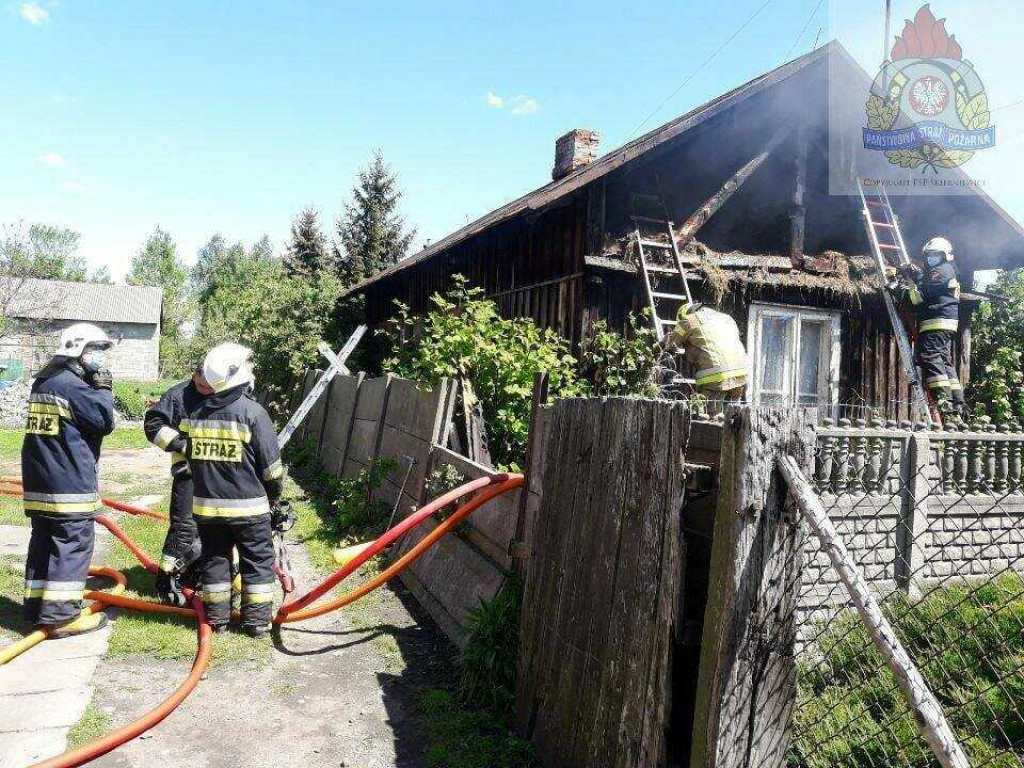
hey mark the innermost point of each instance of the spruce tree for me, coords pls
(307, 252)
(371, 233)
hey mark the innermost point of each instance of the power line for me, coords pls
(814, 13)
(697, 71)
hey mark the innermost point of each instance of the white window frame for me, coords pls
(828, 377)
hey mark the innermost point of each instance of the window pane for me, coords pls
(775, 352)
(810, 363)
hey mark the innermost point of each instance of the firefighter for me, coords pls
(935, 296)
(711, 342)
(181, 546)
(236, 468)
(70, 411)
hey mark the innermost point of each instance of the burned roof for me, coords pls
(549, 193)
(556, 191)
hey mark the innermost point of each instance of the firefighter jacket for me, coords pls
(163, 419)
(67, 421)
(234, 458)
(712, 344)
(936, 299)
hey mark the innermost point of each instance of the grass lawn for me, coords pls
(93, 724)
(166, 637)
(120, 438)
(968, 643)
(11, 512)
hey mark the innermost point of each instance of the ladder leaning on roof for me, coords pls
(887, 241)
(649, 213)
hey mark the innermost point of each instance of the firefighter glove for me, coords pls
(101, 379)
(281, 517)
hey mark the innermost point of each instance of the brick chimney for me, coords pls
(573, 151)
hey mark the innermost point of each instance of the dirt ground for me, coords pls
(337, 691)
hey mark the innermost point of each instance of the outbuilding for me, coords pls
(36, 311)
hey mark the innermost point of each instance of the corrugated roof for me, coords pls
(90, 302)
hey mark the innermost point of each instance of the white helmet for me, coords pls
(939, 245)
(75, 338)
(227, 365)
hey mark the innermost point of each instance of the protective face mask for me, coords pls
(934, 259)
(94, 359)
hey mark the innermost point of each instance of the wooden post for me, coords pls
(517, 547)
(913, 521)
(698, 219)
(747, 683)
(798, 213)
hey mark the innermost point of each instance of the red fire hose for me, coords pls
(490, 487)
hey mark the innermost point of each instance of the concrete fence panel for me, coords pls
(340, 412)
(364, 439)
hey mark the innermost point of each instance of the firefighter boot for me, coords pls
(87, 622)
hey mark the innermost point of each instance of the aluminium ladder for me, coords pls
(889, 249)
(665, 284)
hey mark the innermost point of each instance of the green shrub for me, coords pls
(129, 399)
(615, 364)
(464, 336)
(997, 352)
(353, 507)
(487, 665)
(132, 398)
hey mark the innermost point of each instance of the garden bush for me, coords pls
(463, 336)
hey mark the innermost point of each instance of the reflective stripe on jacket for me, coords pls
(712, 344)
(67, 421)
(936, 299)
(162, 420)
(233, 456)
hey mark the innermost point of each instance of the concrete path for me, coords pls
(44, 691)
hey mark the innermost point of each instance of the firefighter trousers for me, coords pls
(57, 565)
(181, 546)
(254, 539)
(935, 355)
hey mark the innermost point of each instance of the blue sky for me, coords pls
(231, 116)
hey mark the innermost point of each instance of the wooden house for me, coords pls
(748, 173)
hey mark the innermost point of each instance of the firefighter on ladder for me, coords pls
(711, 342)
(70, 411)
(935, 296)
(236, 468)
(181, 546)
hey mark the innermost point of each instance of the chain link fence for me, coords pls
(933, 522)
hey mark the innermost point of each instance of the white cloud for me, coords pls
(34, 14)
(72, 187)
(51, 159)
(524, 105)
(517, 105)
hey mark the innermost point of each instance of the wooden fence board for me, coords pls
(747, 668)
(604, 585)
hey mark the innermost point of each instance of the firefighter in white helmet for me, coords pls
(935, 296)
(237, 474)
(711, 342)
(70, 411)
